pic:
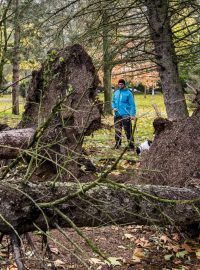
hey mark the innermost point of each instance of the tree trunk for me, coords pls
(107, 67)
(21, 207)
(107, 71)
(159, 23)
(16, 56)
(4, 42)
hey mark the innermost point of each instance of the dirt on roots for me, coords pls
(174, 157)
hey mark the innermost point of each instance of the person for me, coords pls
(124, 108)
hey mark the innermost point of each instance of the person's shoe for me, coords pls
(131, 148)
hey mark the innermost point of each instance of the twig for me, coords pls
(16, 251)
(31, 244)
(158, 114)
(10, 85)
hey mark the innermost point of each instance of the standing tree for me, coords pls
(161, 32)
(4, 38)
(16, 60)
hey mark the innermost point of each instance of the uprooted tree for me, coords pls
(174, 157)
(61, 109)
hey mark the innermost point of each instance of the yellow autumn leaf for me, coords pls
(136, 259)
(138, 255)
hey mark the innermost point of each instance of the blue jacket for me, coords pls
(123, 100)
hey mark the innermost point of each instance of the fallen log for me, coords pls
(12, 141)
(37, 206)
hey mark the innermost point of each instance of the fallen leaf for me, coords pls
(115, 173)
(138, 255)
(187, 247)
(128, 236)
(175, 237)
(59, 263)
(113, 261)
(122, 247)
(181, 254)
(142, 242)
(165, 238)
(30, 253)
(136, 259)
(96, 261)
(175, 248)
(12, 267)
(3, 254)
(175, 261)
(54, 250)
(168, 257)
(197, 252)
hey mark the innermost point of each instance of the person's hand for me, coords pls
(115, 109)
(133, 118)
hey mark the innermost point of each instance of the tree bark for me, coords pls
(107, 67)
(159, 23)
(21, 208)
(107, 71)
(16, 55)
(12, 141)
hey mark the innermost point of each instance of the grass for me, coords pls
(6, 116)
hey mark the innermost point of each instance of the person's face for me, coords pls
(121, 85)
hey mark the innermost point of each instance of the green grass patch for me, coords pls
(6, 116)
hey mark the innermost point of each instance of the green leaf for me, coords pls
(181, 254)
(168, 257)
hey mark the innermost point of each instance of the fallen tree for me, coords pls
(41, 206)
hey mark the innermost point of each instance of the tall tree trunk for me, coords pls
(15, 89)
(159, 22)
(107, 70)
(3, 42)
(107, 67)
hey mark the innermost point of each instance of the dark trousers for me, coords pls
(124, 122)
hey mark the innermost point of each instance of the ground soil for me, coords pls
(133, 247)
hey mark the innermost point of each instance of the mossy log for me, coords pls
(25, 209)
